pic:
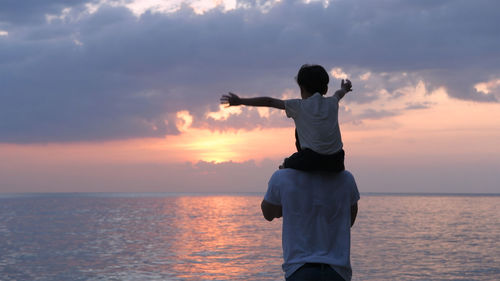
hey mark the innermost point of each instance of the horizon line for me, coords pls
(214, 193)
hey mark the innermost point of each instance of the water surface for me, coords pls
(224, 237)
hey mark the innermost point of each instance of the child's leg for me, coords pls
(309, 160)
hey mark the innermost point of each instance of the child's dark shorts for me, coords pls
(309, 160)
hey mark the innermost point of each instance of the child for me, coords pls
(317, 133)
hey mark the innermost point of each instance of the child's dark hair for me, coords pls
(313, 78)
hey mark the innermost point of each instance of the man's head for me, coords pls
(312, 78)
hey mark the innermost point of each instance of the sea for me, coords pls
(186, 236)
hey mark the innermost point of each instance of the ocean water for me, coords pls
(224, 237)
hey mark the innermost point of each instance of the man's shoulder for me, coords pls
(287, 172)
(283, 174)
(286, 183)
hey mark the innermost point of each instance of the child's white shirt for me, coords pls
(316, 120)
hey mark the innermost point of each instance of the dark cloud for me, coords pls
(410, 106)
(376, 114)
(111, 75)
(30, 12)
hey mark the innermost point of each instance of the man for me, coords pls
(318, 210)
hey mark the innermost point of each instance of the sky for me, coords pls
(123, 96)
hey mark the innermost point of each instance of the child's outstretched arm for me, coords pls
(344, 89)
(232, 100)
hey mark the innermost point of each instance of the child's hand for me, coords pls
(230, 99)
(347, 86)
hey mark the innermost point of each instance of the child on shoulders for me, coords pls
(318, 140)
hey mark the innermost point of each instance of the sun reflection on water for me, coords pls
(217, 239)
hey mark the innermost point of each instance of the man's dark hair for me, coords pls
(313, 78)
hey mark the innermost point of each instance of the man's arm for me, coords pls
(270, 211)
(354, 213)
(232, 100)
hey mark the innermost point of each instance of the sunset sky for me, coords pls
(105, 96)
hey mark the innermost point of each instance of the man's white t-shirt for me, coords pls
(316, 217)
(316, 120)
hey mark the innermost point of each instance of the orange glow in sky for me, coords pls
(450, 126)
(449, 131)
(238, 146)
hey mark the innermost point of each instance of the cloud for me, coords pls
(422, 105)
(248, 119)
(376, 114)
(71, 73)
(33, 12)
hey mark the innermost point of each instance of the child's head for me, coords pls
(312, 78)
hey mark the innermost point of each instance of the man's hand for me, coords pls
(271, 211)
(230, 99)
(347, 86)
(354, 213)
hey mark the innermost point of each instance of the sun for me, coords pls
(212, 147)
(195, 144)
